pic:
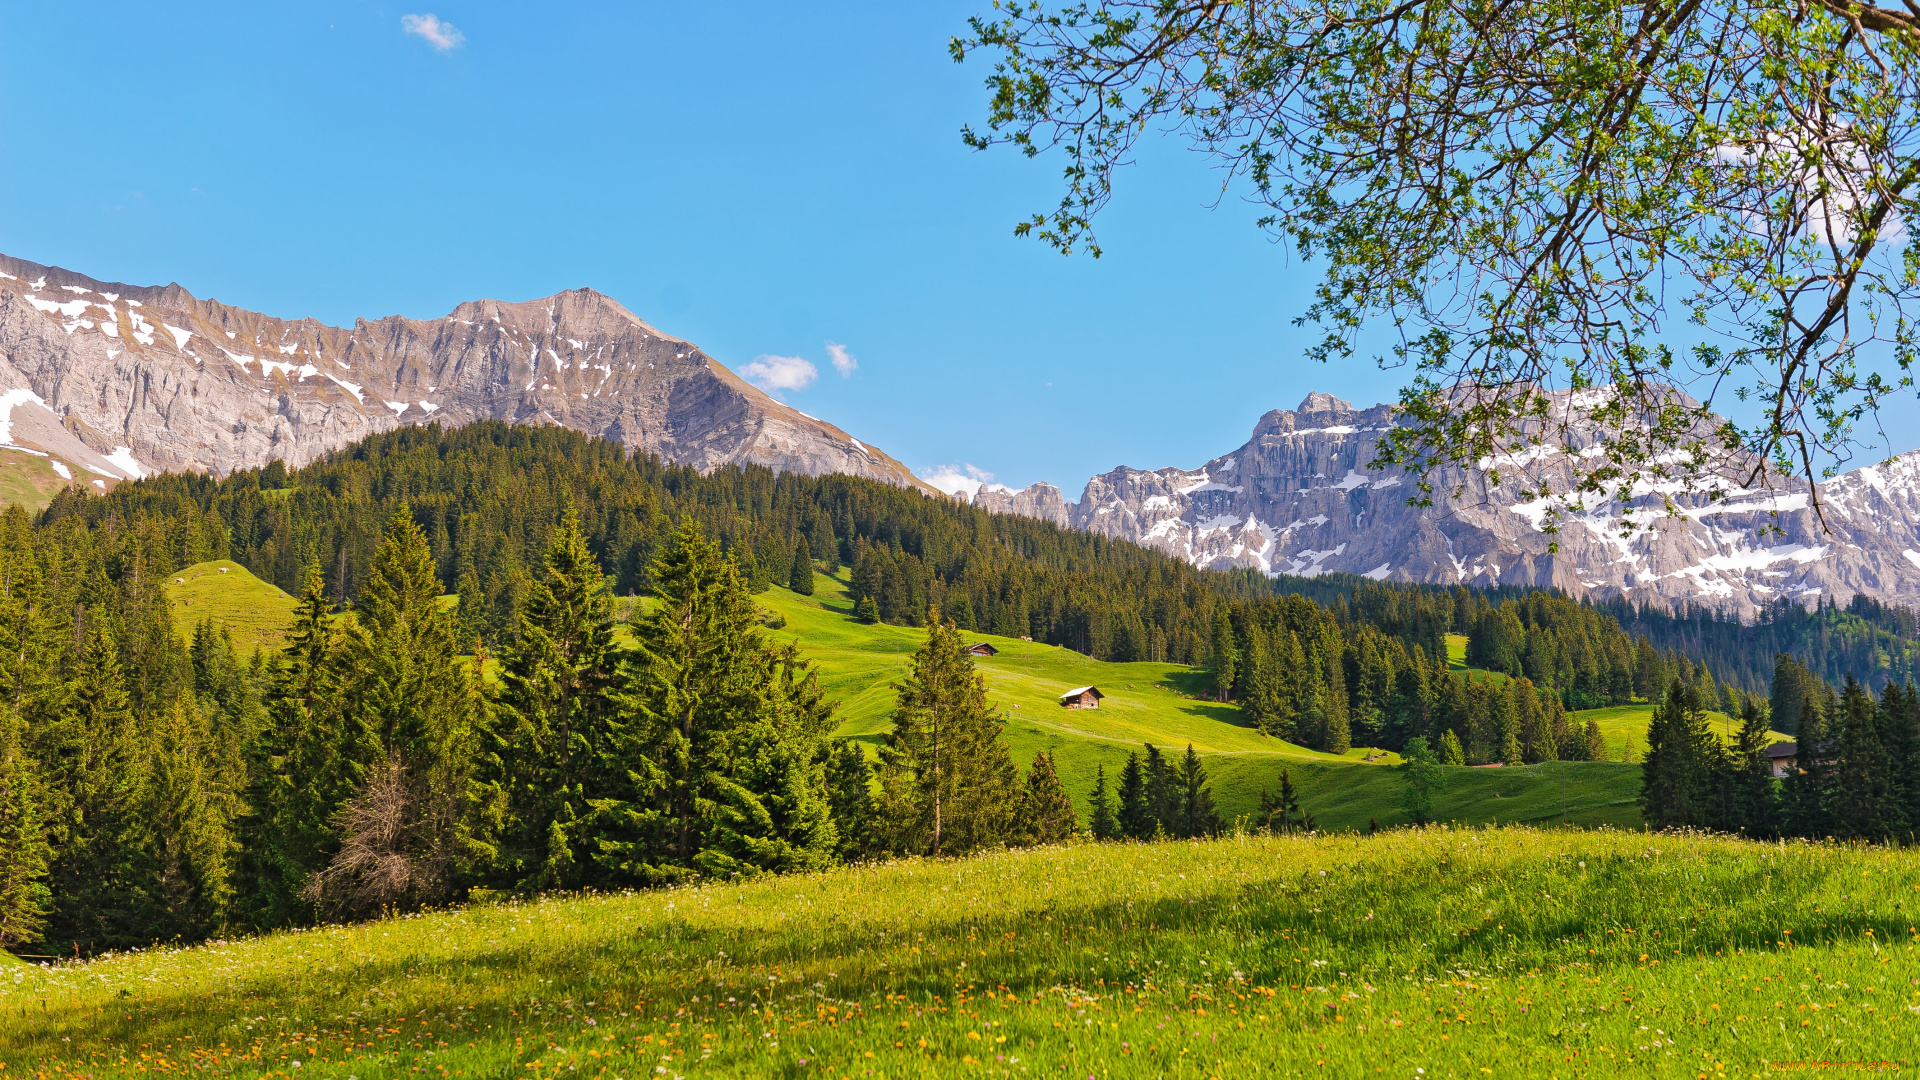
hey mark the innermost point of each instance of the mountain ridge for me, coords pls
(127, 379)
(1299, 498)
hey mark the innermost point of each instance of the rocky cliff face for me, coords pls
(1298, 498)
(119, 380)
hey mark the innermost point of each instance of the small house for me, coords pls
(981, 648)
(1082, 697)
(1785, 759)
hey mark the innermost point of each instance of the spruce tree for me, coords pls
(951, 786)
(1900, 729)
(1806, 797)
(1680, 769)
(24, 851)
(716, 756)
(1860, 780)
(1194, 815)
(1045, 809)
(1750, 776)
(98, 877)
(850, 798)
(1223, 657)
(1136, 815)
(1163, 793)
(1103, 823)
(1282, 813)
(1450, 751)
(417, 724)
(185, 814)
(556, 701)
(800, 577)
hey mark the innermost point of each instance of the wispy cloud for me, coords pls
(843, 361)
(780, 372)
(443, 36)
(954, 479)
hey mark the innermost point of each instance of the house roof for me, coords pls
(1078, 690)
(1783, 749)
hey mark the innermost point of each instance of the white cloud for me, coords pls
(780, 372)
(953, 479)
(441, 35)
(843, 361)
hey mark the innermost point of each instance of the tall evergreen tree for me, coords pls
(556, 701)
(1103, 823)
(1681, 765)
(1045, 809)
(800, 577)
(1861, 784)
(1194, 813)
(418, 722)
(1900, 730)
(1136, 814)
(1163, 793)
(717, 753)
(1807, 796)
(99, 874)
(1749, 777)
(850, 798)
(951, 787)
(1223, 657)
(24, 852)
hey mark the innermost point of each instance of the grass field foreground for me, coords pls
(1463, 953)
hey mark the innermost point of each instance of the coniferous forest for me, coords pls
(452, 716)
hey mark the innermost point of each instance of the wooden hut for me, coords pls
(1784, 757)
(1082, 697)
(981, 648)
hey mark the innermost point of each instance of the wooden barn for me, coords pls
(1082, 697)
(1784, 757)
(981, 648)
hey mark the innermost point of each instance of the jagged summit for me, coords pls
(1299, 498)
(159, 379)
(1323, 403)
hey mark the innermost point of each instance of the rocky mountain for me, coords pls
(1298, 498)
(102, 381)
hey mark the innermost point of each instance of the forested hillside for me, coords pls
(1866, 640)
(487, 496)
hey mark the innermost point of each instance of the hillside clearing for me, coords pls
(222, 590)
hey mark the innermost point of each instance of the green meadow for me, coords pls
(255, 612)
(1162, 704)
(1442, 952)
(1165, 704)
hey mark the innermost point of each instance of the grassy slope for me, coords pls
(257, 612)
(29, 480)
(1512, 952)
(1145, 702)
(1158, 703)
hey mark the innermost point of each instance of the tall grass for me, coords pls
(1507, 952)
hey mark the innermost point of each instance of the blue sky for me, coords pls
(763, 180)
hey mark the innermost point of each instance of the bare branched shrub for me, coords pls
(388, 856)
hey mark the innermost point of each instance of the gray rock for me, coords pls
(1298, 498)
(161, 380)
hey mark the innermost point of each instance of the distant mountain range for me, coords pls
(101, 381)
(1298, 498)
